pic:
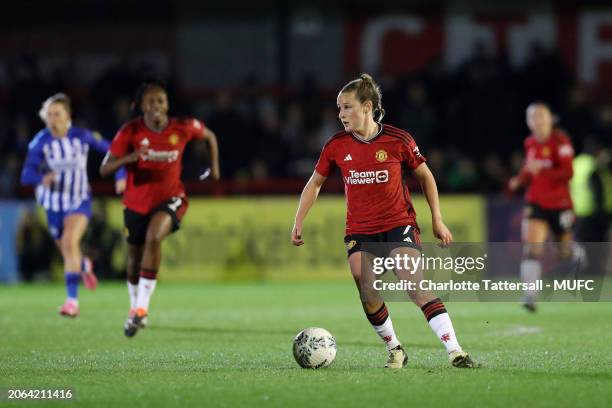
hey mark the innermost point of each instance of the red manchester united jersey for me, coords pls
(155, 177)
(549, 188)
(377, 198)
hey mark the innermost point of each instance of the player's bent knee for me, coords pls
(153, 238)
(69, 245)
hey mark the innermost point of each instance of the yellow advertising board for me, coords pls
(248, 238)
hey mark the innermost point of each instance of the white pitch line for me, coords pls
(517, 330)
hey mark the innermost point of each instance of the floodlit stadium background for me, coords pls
(264, 77)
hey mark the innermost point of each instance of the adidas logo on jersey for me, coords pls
(348, 157)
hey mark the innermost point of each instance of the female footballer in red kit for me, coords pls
(151, 147)
(370, 156)
(546, 172)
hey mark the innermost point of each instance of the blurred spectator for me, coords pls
(330, 125)
(310, 101)
(27, 87)
(118, 81)
(544, 77)
(463, 175)
(436, 161)
(236, 139)
(604, 124)
(35, 248)
(272, 149)
(100, 243)
(466, 121)
(9, 174)
(495, 175)
(578, 116)
(516, 161)
(417, 116)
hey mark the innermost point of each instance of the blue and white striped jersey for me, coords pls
(67, 157)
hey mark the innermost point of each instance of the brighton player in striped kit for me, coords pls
(56, 164)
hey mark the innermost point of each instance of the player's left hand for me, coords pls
(296, 235)
(442, 233)
(120, 185)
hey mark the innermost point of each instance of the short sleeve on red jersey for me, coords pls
(120, 145)
(195, 128)
(325, 165)
(412, 155)
(565, 150)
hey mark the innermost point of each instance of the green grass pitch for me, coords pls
(230, 345)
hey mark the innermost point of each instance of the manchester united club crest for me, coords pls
(381, 156)
(173, 139)
(351, 244)
(545, 151)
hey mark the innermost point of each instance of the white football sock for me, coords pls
(531, 271)
(443, 328)
(145, 290)
(133, 292)
(387, 334)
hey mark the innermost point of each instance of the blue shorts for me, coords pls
(55, 219)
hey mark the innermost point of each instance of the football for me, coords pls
(314, 347)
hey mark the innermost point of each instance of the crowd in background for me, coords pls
(469, 122)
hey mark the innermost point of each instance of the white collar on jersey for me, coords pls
(361, 139)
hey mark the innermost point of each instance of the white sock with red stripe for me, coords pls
(441, 324)
(146, 287)
(383, 326)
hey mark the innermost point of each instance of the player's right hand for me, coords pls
(442, 232)
(296, 235)
(136, 154)
(48, 178)
(120, 186)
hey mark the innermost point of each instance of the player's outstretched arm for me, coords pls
(111, 162)
(528, 169)
(307, 199)
(211, 138)
(428, 185)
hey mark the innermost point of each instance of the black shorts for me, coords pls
(407, 236)
(136, 224)
(559, 221)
